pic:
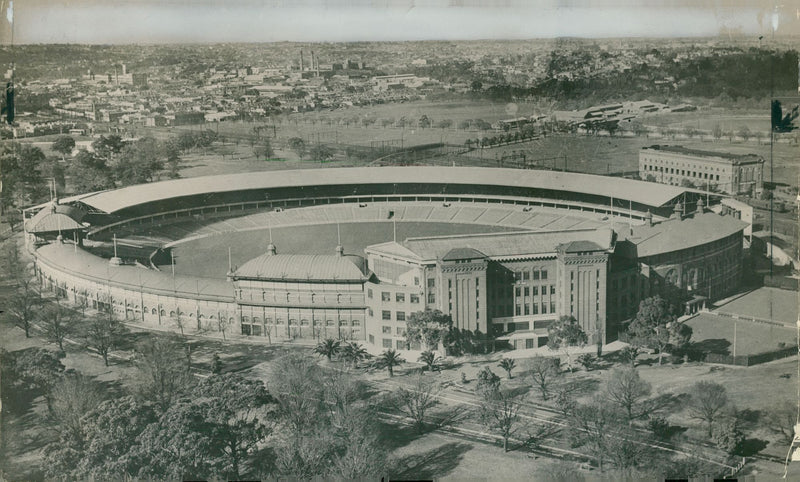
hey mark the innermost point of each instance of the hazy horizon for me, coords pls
(91, 22)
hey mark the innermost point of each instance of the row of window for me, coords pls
(387, 315)
(527, 275)
(682, 172)
(304, 322)
(528, 290)
(386, 297)
(387, 330)
(535, 308)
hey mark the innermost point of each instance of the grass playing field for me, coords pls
(208, 257)
(766, 303)
(715, 334)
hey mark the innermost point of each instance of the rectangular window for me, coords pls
(517, 276)
(372, 339)
(544, 274)
(529, 343)
(527, 291)
(386, 330)
(369, 293)
(535, 291)
(552, 289)
(386, 296)
(370, 312)
(356, 322)
(544, 308)
(414, 298)
(386, 315)
(527, 309)
(401, 315)
(401, 331)
(526, 275)
(535, 274)
(518, 310)
(401, 345)
(400, 297)
(431, 298)
(431, 283)
(416, 280)
(535, 308)
(387, 342)
(552, 307)
(518, 291)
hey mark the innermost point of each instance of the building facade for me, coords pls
(676, 165)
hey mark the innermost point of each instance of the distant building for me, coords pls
(677, 165)
(188, 118)
(139, 79)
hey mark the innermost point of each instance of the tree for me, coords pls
(108, 147)
(727, 434)
(57, 323)
(627, 389)
(591, 425)
(73, 396)
(629, 354)
(216, 364)
(427, 328)
(321, 153)
(586, 361)
(707, 403)
(424, 122)
(744, 133)
(231, 406)
(507, 364)
(429, 358)
(298, 145)
(445, 124)
(296, 383)
(653, 325)
(354, 353)
(104, 332)
(564, 333)
(545, 373)
(21, 307)
(781, 418)
(138, 162)
(63, 145)
(416, 401)
(328, 348)
(390, 359)
(89, 172)
(488, 383)
(171, 152)
(264, 150)
(717, 132)
(28, 373)
(162, 372)
(500, 413)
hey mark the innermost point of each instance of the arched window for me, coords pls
(245, 319)
(154, 311)
(171, 313)
(292, 322)
(304, 322)
(279, 321)
(256, 320)
(342, 322)
(163, 313)
(268, 320)
(329, 323)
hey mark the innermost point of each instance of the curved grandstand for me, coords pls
(500, 250)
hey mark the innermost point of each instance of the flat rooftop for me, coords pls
(702, 153)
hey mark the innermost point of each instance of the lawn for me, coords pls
(715, 334)
(767, 304)
(208, 257)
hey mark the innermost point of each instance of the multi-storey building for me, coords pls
(677, 165)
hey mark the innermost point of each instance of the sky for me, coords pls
(209, 21)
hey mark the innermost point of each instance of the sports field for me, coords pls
(766, 303)
(715, 334)
(208, 257)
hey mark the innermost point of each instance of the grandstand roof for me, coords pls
(55, 218)
(676, 234)
(650, 194)
(501, 245)
(301, 267)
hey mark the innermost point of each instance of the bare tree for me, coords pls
(627, 389)
(781, 417)
(104, 332)
(73, 396)
(591, 425)
(57, 323)
(162, 372)
(545, 373)
(295, 381)
(416, 401)
(708, 402)
(500, 413)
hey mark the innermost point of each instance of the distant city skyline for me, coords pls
(210, 21)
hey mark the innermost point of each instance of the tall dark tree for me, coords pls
(104, 332)
(63, 145)
(427, 328)
(162, 372)
(565, 333)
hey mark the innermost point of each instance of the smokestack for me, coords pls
(301, 60)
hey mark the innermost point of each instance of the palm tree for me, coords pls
(354, 353)
(390, 359)
(429, 358)
(328, 348)
(507, 364)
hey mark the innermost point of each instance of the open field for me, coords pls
(715, 334)
(208, 257)
(767, 304)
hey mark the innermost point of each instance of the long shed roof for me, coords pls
(646, 193)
